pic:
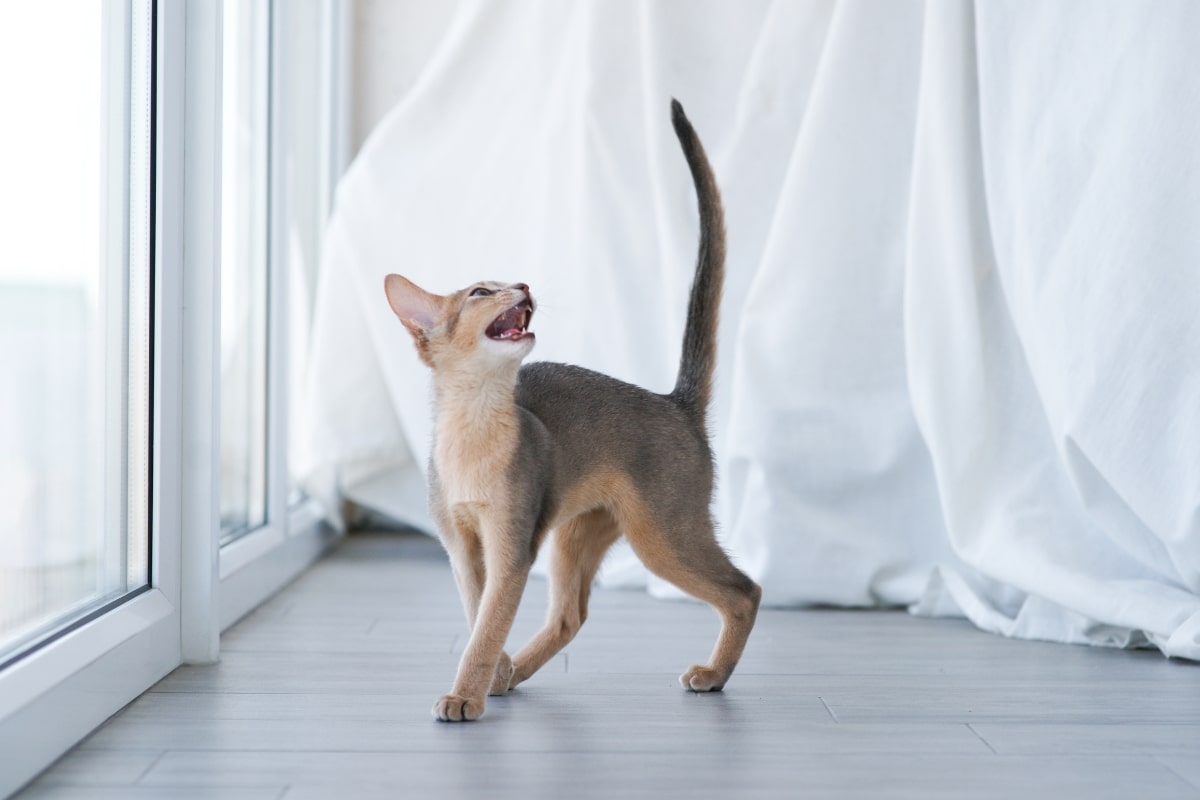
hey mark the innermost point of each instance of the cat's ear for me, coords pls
(415, 307)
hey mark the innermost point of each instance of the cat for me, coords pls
(522, 450)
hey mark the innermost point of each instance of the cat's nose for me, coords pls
(524, 287)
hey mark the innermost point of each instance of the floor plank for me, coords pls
(1048, 738)
(52, 792)
(101, 767)
(326, 690)
(740, 774)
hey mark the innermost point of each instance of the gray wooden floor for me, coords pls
(326, 691)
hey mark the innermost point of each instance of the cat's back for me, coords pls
(564, 393)
(597, 410)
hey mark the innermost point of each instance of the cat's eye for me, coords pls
(481, 291)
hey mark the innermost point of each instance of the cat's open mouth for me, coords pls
(513, 324)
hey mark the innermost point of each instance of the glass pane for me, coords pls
(307, 136)
(244, 171)
(74, 312)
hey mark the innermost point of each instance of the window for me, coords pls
(136, 522)
(277, 178)
(245, 115)
(278, 165)
(74, 314)
(309, 170)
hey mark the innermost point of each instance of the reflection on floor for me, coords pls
(326, 692)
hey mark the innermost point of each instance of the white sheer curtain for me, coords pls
(960, 357)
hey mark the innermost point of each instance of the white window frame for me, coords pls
(83, 677)
(259, 563)
(197, 589)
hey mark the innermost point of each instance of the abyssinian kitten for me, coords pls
(520, 451)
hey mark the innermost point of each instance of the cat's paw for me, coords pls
(703, 679)
(452, 708)
(519, 676)
(503, 677)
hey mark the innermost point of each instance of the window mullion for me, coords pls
(201, 400)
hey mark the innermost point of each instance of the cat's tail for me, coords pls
(693, 387)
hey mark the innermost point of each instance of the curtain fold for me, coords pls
(959, 365)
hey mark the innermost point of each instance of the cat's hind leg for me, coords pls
(577, 548)
(686, 553)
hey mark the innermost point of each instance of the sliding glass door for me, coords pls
(75, 314)
(167, 168)
(245, 171)
(278, 163)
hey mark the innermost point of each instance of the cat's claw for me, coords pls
(452, 708)
(503, 677)
(703, 679)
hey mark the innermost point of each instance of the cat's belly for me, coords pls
(601, 488)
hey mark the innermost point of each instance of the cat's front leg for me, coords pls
(484, 658)
(469, 578)
(460, 536)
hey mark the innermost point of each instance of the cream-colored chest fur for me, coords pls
(476, 435)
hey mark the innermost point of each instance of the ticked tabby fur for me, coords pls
(520, 451)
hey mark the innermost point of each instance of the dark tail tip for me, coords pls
(678, 118)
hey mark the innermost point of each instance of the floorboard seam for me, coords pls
(1177, 774)
(979, 736)
(827, 708)
(153, 764)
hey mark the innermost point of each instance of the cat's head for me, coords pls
(485, 324)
